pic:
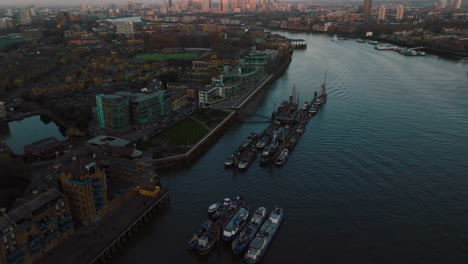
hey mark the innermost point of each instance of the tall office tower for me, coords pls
(206, 5)
(457, 4)
(25, 16)
(400, 12)
(382, 12)
(130, 6)
(224, 6)
(367, 9)
(443, 3)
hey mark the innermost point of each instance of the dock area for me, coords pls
(278, 140)
(97, 242)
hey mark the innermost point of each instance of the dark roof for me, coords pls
(44, 143)
(77, 167)
(13, 217)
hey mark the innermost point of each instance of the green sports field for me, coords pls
(164, 56)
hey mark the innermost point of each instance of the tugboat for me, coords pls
(262, 240)
(232, 159)
(283, 156)
(248, 233)
(200, 232)
(236, 223)
(247, 159)
(360, 41)
(206, 242)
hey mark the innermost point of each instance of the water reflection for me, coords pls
(16, 134)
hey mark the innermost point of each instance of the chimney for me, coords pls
(3, 211)
(35, 193)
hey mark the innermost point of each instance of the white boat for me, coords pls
(283, 156)
(212, 208)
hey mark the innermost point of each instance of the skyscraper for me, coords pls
(457, 4)
(367, 9)
(400, 12)
(382, 11)
(25, 16)
(206, 5)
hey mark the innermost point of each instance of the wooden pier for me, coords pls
(97, 243)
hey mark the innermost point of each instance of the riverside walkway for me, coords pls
(97, 243)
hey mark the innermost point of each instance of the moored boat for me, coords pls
(247, 159)
(293, 142)
(248, 233)
(213, 208)
(262, 240)
(207, 242)
(283, 156)
(313, 110)
(236, 223)
(232, 159)
(263, 142)
(200, 232)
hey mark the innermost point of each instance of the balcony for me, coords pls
(16, 261)
(33, 240)
(46, 224)
(65, 219)
(65, 227)
(49, 237)
(14, 254)
(79, 182)
(96, 182)
(35, 248)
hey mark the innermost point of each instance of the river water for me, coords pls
(379, 176)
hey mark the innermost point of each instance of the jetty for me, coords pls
(97, 243)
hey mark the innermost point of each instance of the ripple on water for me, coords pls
(379, 176)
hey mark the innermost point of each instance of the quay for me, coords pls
(186, 159)
(97, 242)
(234, 105)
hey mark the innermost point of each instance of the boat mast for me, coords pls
(324, 82)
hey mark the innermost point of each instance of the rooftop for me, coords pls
(77, 167)
(108, 140)
(45, 143)
(13, 217)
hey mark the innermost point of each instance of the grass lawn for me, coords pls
(163, 56)
(184, 132)
(211, 117)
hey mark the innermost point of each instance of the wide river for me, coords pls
(379, 176)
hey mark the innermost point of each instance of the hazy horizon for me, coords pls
(46, 3)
